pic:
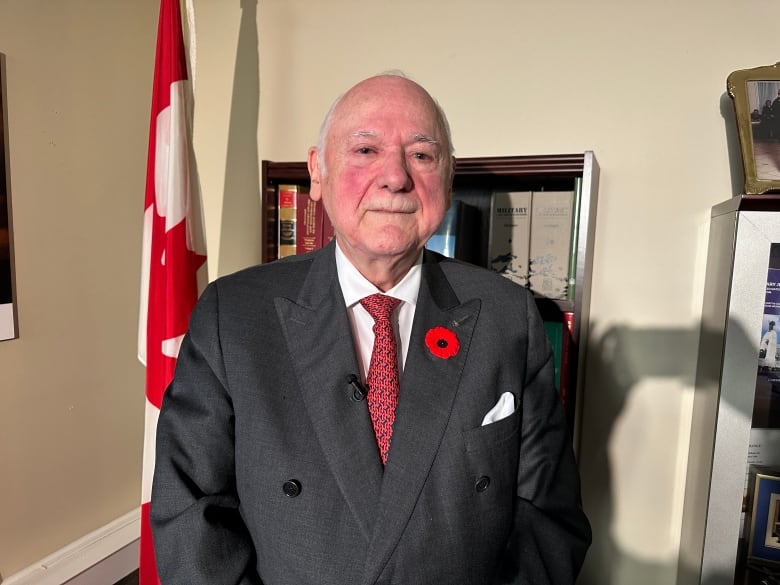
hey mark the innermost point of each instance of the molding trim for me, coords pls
(102, 556)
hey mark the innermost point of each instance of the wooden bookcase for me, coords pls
(475, 180)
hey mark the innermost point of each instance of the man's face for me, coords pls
(387, 182)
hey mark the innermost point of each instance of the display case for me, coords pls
(730, 391)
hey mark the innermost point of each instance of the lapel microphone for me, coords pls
(359, 391)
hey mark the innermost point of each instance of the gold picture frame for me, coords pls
(753, 91)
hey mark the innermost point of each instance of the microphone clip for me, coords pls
(359, 391)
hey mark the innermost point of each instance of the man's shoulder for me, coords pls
(477, 280)
(273, 278)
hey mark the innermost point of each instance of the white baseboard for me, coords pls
(101, 557)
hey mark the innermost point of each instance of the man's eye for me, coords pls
(365, 150)
(422, 156)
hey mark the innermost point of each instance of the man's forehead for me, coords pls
(368, 99)
(376, 134)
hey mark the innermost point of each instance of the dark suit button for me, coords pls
(482, 483)
(292, 487)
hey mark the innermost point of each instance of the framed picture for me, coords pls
(756, 97)
(8, 329)
(764, 536)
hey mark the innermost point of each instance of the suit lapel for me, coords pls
(428, 388)
(319, 338)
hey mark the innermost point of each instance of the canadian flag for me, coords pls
(173, 245)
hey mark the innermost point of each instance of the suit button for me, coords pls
(482, 483)
(291, 488)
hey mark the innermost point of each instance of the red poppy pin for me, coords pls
(442, 342)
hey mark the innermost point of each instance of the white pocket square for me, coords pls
(503, 408)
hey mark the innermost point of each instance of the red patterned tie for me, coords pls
(382, 377)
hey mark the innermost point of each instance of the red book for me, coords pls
(297, 220)
(308, 234)
(566, 365)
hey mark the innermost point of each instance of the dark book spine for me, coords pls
(554, 331)
(308, 234)
(271, 225)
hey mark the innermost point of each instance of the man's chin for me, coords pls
(392, 250)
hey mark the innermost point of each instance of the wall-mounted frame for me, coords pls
(756, 97)
(8, 327)
(764, 532)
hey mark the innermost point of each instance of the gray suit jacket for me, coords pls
(267, 468)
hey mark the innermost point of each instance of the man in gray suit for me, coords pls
(273, 465)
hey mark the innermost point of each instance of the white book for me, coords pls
(510, 231)
(550, 248)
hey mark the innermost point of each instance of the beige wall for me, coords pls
(71, 390)
(642, 85)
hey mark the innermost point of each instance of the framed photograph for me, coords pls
(8, 329)
(756, 97)
(764, 535)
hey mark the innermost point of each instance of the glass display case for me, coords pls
(734, 423)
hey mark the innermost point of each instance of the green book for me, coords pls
(554, 331)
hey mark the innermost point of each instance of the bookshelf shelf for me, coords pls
(474, 181)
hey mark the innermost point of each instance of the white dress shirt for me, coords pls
(354, 286)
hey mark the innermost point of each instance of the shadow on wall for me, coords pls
(736, 170)
(241, 243)
(618, 362)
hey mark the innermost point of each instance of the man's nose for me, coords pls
(395, 175)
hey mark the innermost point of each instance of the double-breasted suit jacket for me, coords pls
(268, 471)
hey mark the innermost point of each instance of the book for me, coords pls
(550, 243)
(554, 330)
(567, 346)
(287, 208)
(300, 221)
(575, 230)
(308, 228)
(443, 240)
(510, 231)
(455, 237)
(271, 223)
(560, 334)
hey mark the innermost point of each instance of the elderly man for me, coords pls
(370, 413)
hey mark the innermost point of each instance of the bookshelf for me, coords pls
(474, 182)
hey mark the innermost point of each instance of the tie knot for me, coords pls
(380, 306)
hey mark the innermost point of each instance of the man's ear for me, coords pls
(315, 190)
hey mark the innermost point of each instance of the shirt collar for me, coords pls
(354, 286)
